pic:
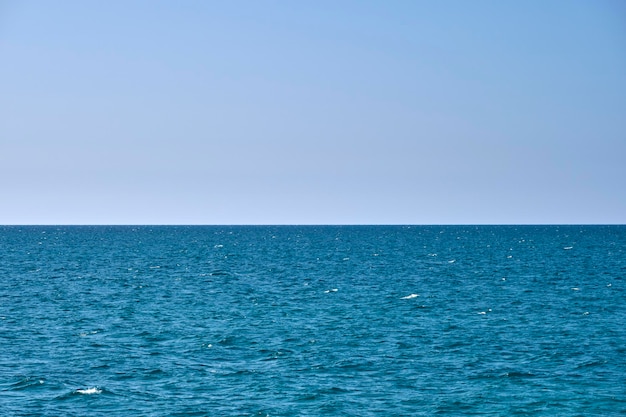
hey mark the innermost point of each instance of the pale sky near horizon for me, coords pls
(312, 112)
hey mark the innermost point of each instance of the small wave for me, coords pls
(331, 290)
(333, 390)
(519, 374)
(219, 273)
(308, 397)
(591, 363)
(568, 248)
(26, 383)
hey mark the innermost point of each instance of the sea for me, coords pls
(313, 320)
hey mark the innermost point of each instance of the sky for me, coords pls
(313, 112)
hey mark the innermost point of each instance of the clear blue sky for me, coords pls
(312, 112)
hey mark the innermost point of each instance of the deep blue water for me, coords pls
(313, 321)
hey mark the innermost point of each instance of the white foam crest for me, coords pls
(408, 297)
(331, 290)
(89, 391)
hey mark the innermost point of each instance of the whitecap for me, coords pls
(575, 289)
(331, 290)
(408, 297)
(452, 261)
(568, 247)
(89, 391)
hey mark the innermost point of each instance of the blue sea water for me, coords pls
(313, 320)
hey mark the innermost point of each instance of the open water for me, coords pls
(313, 321)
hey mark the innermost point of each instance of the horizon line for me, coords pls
(293, 224)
